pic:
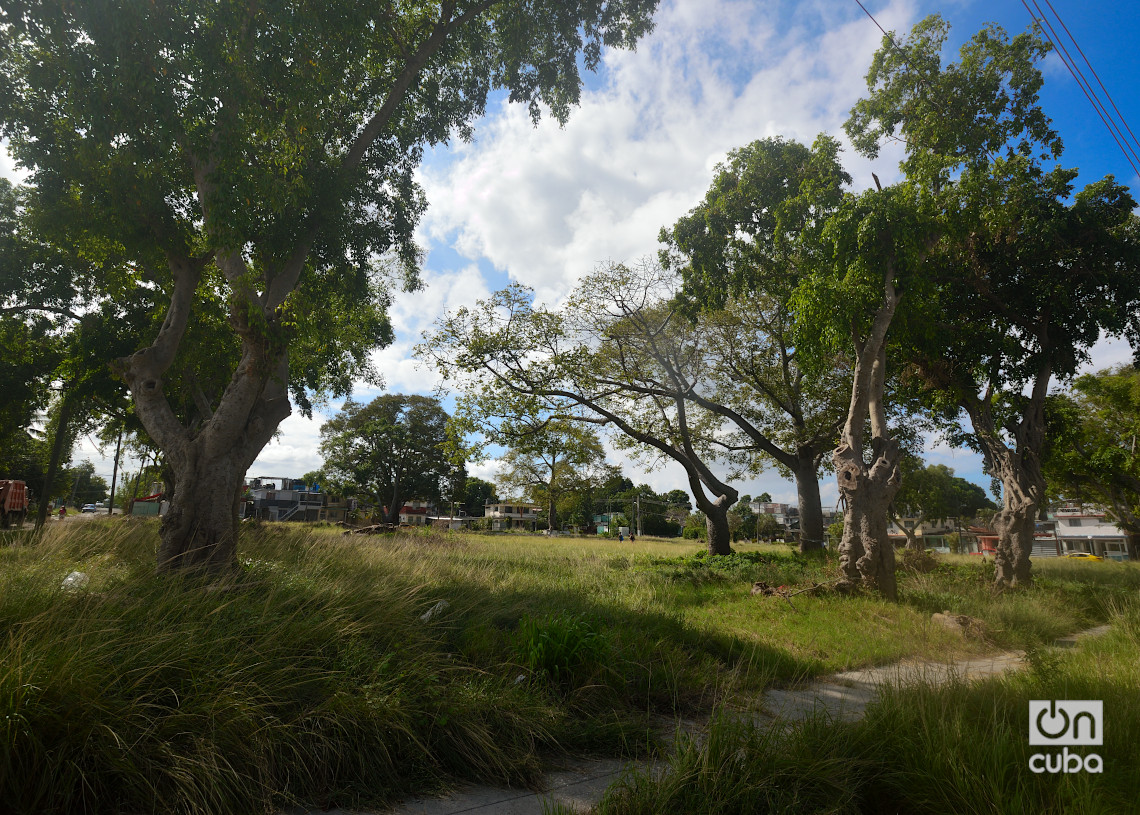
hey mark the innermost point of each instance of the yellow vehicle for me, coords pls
(1083, 556)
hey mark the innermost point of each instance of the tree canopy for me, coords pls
(1026, 275)
(1093, 454)
(256, 162)
(392, 450)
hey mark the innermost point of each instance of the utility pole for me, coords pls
(637, 508)
(115, 472)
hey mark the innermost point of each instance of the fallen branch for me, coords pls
(375, 529)
(786, 593)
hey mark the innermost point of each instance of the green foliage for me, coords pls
(695, 527)
(307, 677)
(767, 527)
(86, 487)
(755, 227)
(567, 648)
(392, 449)
(933, 492)
(246, 172)
(477, 493)
(1093, 454)
(267, 688)
(934, 108)
(547, 460)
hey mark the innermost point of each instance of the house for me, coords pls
(934, 533)
(604, 521)
(336, 508)
(416, 513)
(786, 515)
(283, 499)
(1085, 528)
(510, 515)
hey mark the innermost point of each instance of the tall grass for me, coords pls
(303, 678)
(309, 677)
(960, 748)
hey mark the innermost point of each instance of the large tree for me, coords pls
(393, 449)
(264, 155)
(547, 459)
(1031, 274)
(741, 253)
(588, 362)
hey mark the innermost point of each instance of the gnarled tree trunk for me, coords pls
(716, 524)
(865, 552)
(200, 527)
(209, 463)
(1023, 483)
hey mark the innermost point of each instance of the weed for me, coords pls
(565, 647)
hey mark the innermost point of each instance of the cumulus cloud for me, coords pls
(546, 204)
(412, 314)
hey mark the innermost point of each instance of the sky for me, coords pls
(544, 205)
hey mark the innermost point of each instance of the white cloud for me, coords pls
(412, 314)
(546, 204)
(8, 168)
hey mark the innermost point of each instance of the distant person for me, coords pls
(62, 512)
(632, 537)
(621, 537)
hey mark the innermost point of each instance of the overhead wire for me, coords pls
(1094, 73)
(1114, 130)
(1116, 126)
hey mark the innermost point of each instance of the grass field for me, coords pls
(310, 676)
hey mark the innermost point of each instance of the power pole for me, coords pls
(115, 472)
(637, 505)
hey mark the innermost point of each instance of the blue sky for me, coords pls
(543, 206)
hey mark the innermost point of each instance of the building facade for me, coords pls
(512, 515)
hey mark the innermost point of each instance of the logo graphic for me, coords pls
(1069, 723)
(1066, 723)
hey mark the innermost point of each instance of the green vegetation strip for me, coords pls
(310, 676)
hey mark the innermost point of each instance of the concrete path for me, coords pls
(580, 783)
(845, 696)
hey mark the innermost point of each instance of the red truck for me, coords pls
(13, 503)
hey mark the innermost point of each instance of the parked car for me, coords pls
(1083, 556)
(88, 508)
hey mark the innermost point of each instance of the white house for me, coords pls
(1084, 528)
(512, 515)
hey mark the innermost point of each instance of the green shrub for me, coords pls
(565, 647)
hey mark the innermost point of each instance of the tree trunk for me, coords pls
(115, 472)
(1015, 527)
(395, 504)
(811, 510)
(911, 537)
(865, 552)
(716, 524)
(200, 528)
(550, 516)
(1133, 545)
(57, 445)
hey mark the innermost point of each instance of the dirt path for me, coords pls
(580, 783)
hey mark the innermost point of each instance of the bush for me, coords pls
(565, 647)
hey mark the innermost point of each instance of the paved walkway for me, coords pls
(580, 783)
